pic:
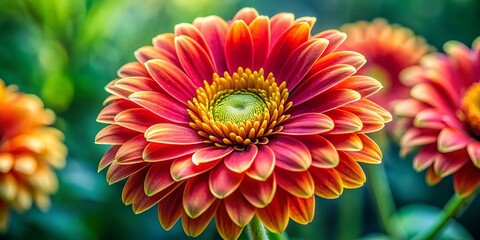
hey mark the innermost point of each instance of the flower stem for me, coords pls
(451, 209)
(256, 230)
(381, 193)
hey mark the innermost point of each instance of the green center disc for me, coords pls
(238, 107)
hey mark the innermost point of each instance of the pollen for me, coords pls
(471, 108)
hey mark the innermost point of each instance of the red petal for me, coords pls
(183, 168)
(429, 118)
(279, 24)
(371, 106)
(161, 105)
(327, 101)
(170, 208)
(142, 202)
(108, 113)
(474, 153)
(448, 163)
(114, 135)
(194, 227)
(158, 178)
(328, 183)
(108, 158)
(146, 53)
(240, 161)
(408, 108)
(425, 157)
(364, 85)
(259, 193)
(214, 30)
(307, 124)
(239, 47)
(168, 133)
(166, 42)
(246, 14)
(260, 30)
(118, 172)
(302, 210)
(372, 121)
(239, 209)
(429, 94)
(370, 152)
(431, 177)
(275, 216)
(450, 140)
(351, 173)
(210, 154)
(195, 60)
(156, 152)
(133, 187)
(263, 164)
(346, 142)
(197, 197)
(131, 151)
(299, 184)
(415, 137)
(137, 119)
(324, 154)
(309, 20)
(193, 32)
(334, 37)
(133, 69)
(344, 121)
(353, 59)
(172, 79)
(114, 90)
(223, 181)
(225, 226)
(290, 153)
(466, 180)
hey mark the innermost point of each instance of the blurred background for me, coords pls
(65, 51)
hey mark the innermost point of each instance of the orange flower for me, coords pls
(444, 116)
(389, 49)
(28, 152)
(235, 119)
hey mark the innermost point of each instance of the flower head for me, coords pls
(389, 49)
(443, 116)
(29, 150)
(235, 119)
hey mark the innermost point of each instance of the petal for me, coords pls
(344, 122)
(429, 118)
(353, 59)
(133, 187)
(165, 41)
(351, 173)
(301, 61)
(161, 105)
(324, 154)
(366, 86)
(172, 80)
(370, 152)
(287, 43)
(197, 197)
(328, 182)
(195, 60)
(425, 157)
(183, 168)
(335, 38)
(327, 101)
(136, 84)
(137, 119)
(109, 112)
(133, 69)
(320, 82)
(302, 210)
(450, 140)
(194, 227)
(448, 163)
(307, 124)
(156, 152)
(279, 24)
(372, 121)
(239, 47)
(466, 180)
(346, 142)
(415, 137)
(299, 184)
(239, 209)
(309, 20)
(260, 30)
(108, 158)
(214, 30)
(290, 153)
(168, 133)
(263, 165)
(258, 193)
(431, 178)
(210, 154)
(408, 108)
(117, 172)
(142, 202)
(225, 226)
(146, 53)
(193, 32)
(474, 153)
(116, 91)
(158, 178)
(275, 216)
(246, 14)
(170, 208)
(240, 161)
(223, 181)
(371, 106)
(131, 151)
(430, 95)
(114, 135)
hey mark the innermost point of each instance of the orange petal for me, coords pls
(309, 20)
(170, 208)
(307, 124)
(299, 184)
(346, 142)
(197, 197)
(223, 181)
(133, 187)
(210, 154)
(225, 226)
(302, 210)
(351, 173)
(328, 183)
(194, 227)
(172, 134)
(290, 153)
(117, 172)
(246, 14)
(324, 154)
(260, 30)
(275, 216)
(240, 161)
(474, 153)
(466, 180)
(183, 168)
(239, 209)
(161, 105)
(431, 177)
(263, 164)
(108, 158)
(131, 151)
(158, 178)
(259, 193)
(157, 152)
(195, 59)
(370, 152)
(239, 46)
(344, 121)
(114, 135)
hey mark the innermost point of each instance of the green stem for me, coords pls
(382, 194)
(451, 209)
(256, 230)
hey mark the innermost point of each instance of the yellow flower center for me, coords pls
(239, 109)
(471, 108)
(379, 73)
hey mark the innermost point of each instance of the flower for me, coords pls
(235, 119)
(443, 113)
(389, 49)
(29, 150)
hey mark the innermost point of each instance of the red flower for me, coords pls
(235, 119)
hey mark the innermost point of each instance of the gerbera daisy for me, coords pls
(250, 117)
(29, 150)
(389, 49)
(444, 116)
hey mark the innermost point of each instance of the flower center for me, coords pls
(471, 108)
(239, 109)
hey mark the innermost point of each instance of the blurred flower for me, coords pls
(444, 116)
(28, 152)
(235, 119)
(388, 48)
